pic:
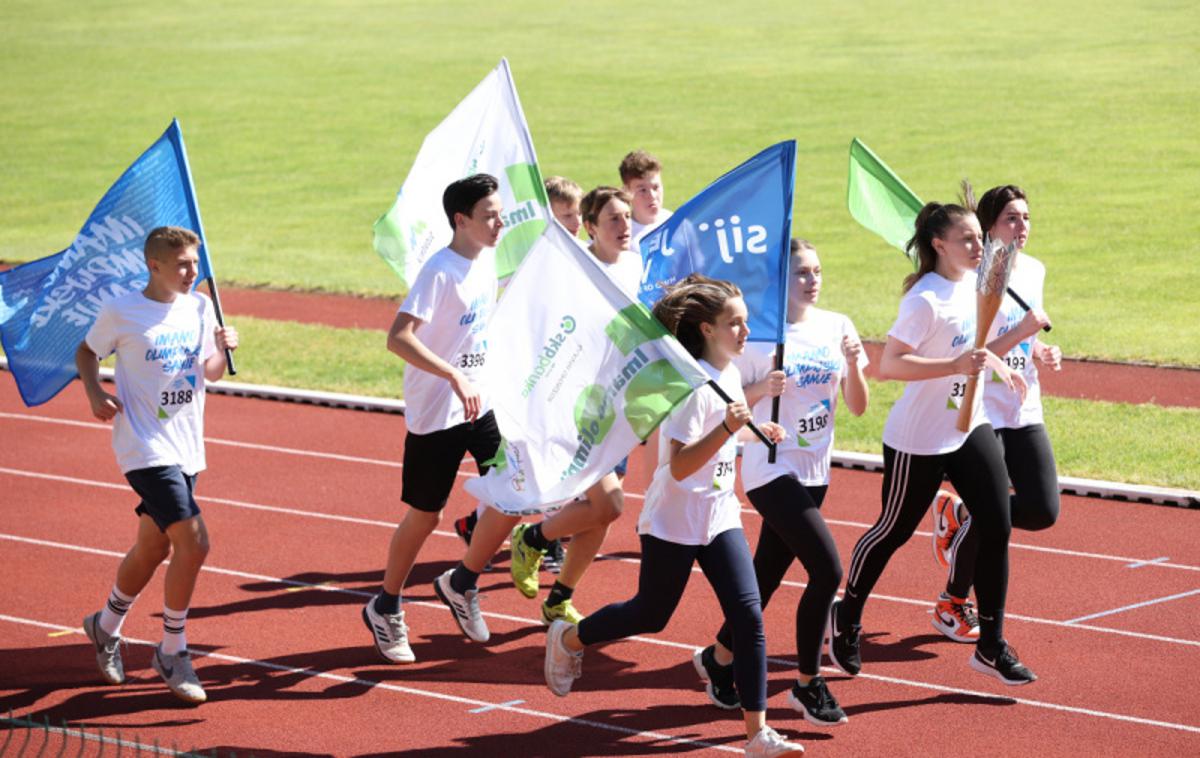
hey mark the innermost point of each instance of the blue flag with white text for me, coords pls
(739, 229)
(48, 305)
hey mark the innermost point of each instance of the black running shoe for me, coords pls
(1003, 665)
(816, 703)
(844, 643)
(464, 528)
(553, 559)
(718, 679)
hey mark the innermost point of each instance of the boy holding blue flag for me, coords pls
(168, 343)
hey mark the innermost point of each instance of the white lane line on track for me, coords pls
(325, 587)
(372, 522)
(1133, 606)
(1151, 562)
(602, 557)
(690, 647)
(371, 684)
(1131, 562)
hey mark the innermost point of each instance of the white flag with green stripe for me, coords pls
(485, 133)
(578, 373)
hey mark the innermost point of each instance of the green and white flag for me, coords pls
(878, 199)
(578, 373)
(485, 133)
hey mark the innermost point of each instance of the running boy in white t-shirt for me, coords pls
(441, 333)
(641, 173)
(565, 197)
(168, 344)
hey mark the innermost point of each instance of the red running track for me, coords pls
(300, 502)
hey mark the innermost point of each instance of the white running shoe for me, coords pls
(176, 670)
(108, 650)
(464, 606)
(390, 632)
(562, 666)
(769, 743)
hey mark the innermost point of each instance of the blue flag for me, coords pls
(48, 305)
(739, 229)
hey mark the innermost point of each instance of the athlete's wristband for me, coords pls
(726, 427)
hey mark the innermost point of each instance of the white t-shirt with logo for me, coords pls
(453, 297)
(694, 511)
(937, 319)
(626, 271)
(161, 349)
(1004, 407)
(815, 367)
(637, 229)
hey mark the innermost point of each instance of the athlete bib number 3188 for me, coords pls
(178, 395)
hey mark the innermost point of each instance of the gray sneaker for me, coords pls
(108, 650)
(390, 632)
(176, 670)
(464, 606)
(562, 667)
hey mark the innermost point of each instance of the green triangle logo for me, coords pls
(162, 415)
(950, 406)
(801, 442)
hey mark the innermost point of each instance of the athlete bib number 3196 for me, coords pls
(813, 426)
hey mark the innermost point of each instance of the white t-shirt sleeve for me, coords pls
(426, 294)
(913, 322)
(686, 422)
(102, 336)
(755, 363)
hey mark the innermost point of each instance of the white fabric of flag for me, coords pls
(578, 373)
(485, 133)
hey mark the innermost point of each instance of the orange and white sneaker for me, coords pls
(956, 618)
(945, 525)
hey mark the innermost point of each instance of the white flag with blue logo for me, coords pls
(485, 133)
(738, 229)
(578, 374)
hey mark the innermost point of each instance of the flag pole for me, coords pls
(775, 400)
(721, 393)
(194, 207)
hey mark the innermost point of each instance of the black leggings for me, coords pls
(793, 528)
(909, 484)
(666, 568)
(1029, 459)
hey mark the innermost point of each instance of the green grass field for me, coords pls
(302, 120)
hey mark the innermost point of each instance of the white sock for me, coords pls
(174, 637)
(112, 615)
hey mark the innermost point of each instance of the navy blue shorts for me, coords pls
(166, 494)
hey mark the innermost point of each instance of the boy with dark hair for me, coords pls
(641, 174)
(440, 331)
(168, 343)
